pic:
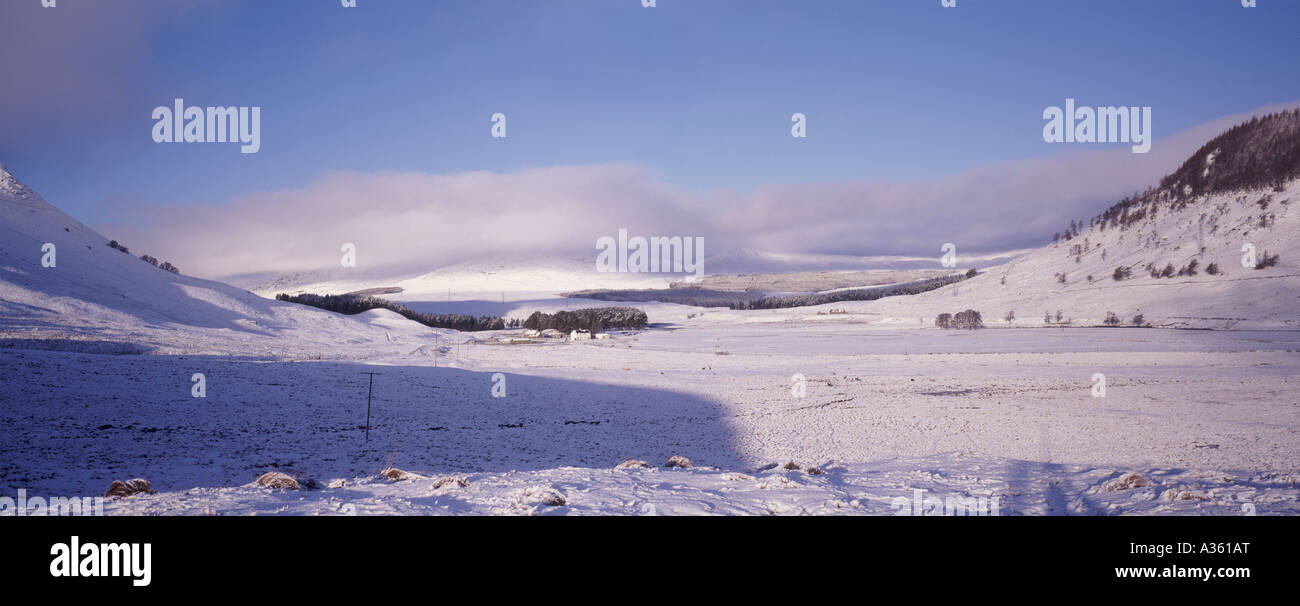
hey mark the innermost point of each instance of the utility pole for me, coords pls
(368, 396)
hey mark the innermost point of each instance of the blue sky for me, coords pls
(698, 92)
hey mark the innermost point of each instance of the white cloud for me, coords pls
(418, 222)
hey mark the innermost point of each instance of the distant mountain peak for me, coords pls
(13, 189)
(1263, 152)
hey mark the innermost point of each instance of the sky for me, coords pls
(924, 123)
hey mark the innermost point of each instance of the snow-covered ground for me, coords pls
(1006, 413)
(97, 356)
(881, 488)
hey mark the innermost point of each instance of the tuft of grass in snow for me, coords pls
(125, 489)
(449, 481)
(544, 495)
(678, 461)
(1180, 494)
(1129, 480)
(396, 474)
(275, 479)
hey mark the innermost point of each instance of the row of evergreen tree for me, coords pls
(681, 295)
(593, 318)
(354, 304)
(857, 294)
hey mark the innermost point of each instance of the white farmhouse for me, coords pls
(581, 334)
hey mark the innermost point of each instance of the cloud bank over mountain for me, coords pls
(416, 222)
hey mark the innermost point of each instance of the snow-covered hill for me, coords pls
(99, 298)
(1178, 231)
(1079, 276)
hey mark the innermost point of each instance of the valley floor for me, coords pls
(1210, 420)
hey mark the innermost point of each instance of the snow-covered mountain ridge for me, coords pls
(1175, 254)
(102, 298)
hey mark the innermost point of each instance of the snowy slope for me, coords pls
(1209, 229)
(1212, 229)
(102, 295)
(1239, 191)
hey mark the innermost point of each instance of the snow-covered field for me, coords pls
(1208, 416)
(97, 356)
